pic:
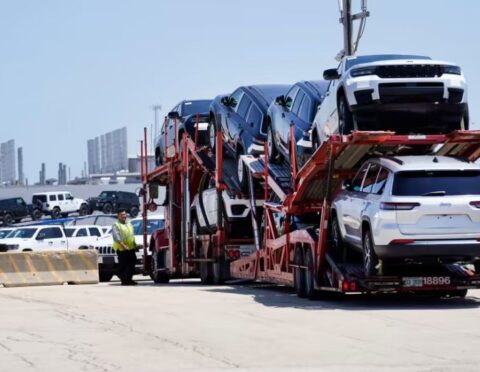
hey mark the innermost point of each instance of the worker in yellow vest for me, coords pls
(124, 246)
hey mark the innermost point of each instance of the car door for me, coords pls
(81, 238)
(70, 203)
(53, 239)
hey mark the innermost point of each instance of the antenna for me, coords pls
(346, 19)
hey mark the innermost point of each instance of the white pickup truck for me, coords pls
(48, 238)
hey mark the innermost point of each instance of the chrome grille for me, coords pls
(105, 250)
(408, 71)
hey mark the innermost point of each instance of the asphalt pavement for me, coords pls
(184, 326)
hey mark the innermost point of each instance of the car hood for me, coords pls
(15, 240)
(393, 62)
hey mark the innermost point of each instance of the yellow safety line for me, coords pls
(52, 269)
(30, 265)
(69, 266)
(15, 266)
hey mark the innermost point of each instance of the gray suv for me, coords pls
(415, 208)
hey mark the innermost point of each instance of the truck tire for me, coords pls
(133, 212)
(309, 275)
(104, 276)
(158, 262)
(7, 219)
(107, 208)
(298, 277)
(55, 213)
(83, 211)
(36, 215)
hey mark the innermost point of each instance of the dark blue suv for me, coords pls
(297, 108)
(242, 119)
(184, 115)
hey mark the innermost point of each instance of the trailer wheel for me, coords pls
(370, 259)
(298, 277)
(309, 275)
(158, 262)
(218, 273)
(206, 273)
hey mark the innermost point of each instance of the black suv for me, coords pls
(15, 209)
(111, 201)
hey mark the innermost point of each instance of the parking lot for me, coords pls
(187, 326)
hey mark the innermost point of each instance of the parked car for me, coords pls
(111, 201)
(107, 259)
(4, 231)
(82, 236)
(408, 94)
(36, 238)
(59, 203)
(415, 208)
(16, 209)
(296, 108)
(242, 118)
(185, 116)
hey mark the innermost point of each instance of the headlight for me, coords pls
(450, 69)
(363, 71)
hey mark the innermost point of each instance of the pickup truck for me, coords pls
(45, 238)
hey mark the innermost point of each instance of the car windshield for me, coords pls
(23, 233)
(379, 57)
(436, 183)
(4, 233)
(195, 107)
(69, 232)
(152, 225)
(270, 92)
(106, 194)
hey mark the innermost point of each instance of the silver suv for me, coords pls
(415, 208)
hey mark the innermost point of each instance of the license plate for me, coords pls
(426, 281)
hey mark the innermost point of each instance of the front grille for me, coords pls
(105, 250)
(408, 71)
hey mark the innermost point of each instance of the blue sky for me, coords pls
(72, 70)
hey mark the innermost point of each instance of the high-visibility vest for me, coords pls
(126, 235)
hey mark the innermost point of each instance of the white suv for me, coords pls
(404, 93)
(415, 208)
(60, 203)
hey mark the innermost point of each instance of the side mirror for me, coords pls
(173, 115)
(347, 185)
(69, 197)
(280, 100)
(40, 236)
(331, 74)
(225, 100)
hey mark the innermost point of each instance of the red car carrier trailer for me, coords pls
(290, 253)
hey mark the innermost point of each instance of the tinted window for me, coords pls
(69, 232)
(306, 110)
(152, 225)
(4, 233)
(52, 233)
(39, 199)
(381, 181)
(195, 107)
(107, 194)
(244, 105)
(426, 183)
(235, 98)
(82, 232)
(254, 116)
(52, 198)
(297, 102)
(20, 201)
(23, 233)
(94, 231)
(291, 96)
(357, 181)
(60, 196)
(370, 178)
(68, 196)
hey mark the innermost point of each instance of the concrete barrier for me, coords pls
(48, 268)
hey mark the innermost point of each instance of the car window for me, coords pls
(381, 181)
(60, 196)
(291, 96)
(370, 178)
(68, 196)
(297, 102)
(430, 183)
(235, 99)
(52, 233)
(39, 199)
(94, 231)
(52, 198)
(23, 233)
(82, 232)
(69, 232)
(358, 180)
(254, 116)
(305, 112)
(244, 106)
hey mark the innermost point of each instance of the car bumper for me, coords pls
(429, 249)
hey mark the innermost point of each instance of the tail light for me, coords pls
(398, 206)
(476, 204)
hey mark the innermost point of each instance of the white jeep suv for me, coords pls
(414, 208)
(404, 93)
(60, 203)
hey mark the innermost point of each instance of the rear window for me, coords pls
(436, 183)
(39, 199)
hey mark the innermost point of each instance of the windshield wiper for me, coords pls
(435, 193)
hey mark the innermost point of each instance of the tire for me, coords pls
(242, 172)
(370, 259)
(345, 117)
(206, 273)
(36, 215)
(83, 211)
(310, 291)
(212, 135)
(107, 208)
(315, 143)
(158, 262)
(273, 154)
(55, 213)
(338, 246)
(104, 276)
(298, 275)
(7, 219)
(133, 212)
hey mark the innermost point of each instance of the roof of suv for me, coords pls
(426, 162)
